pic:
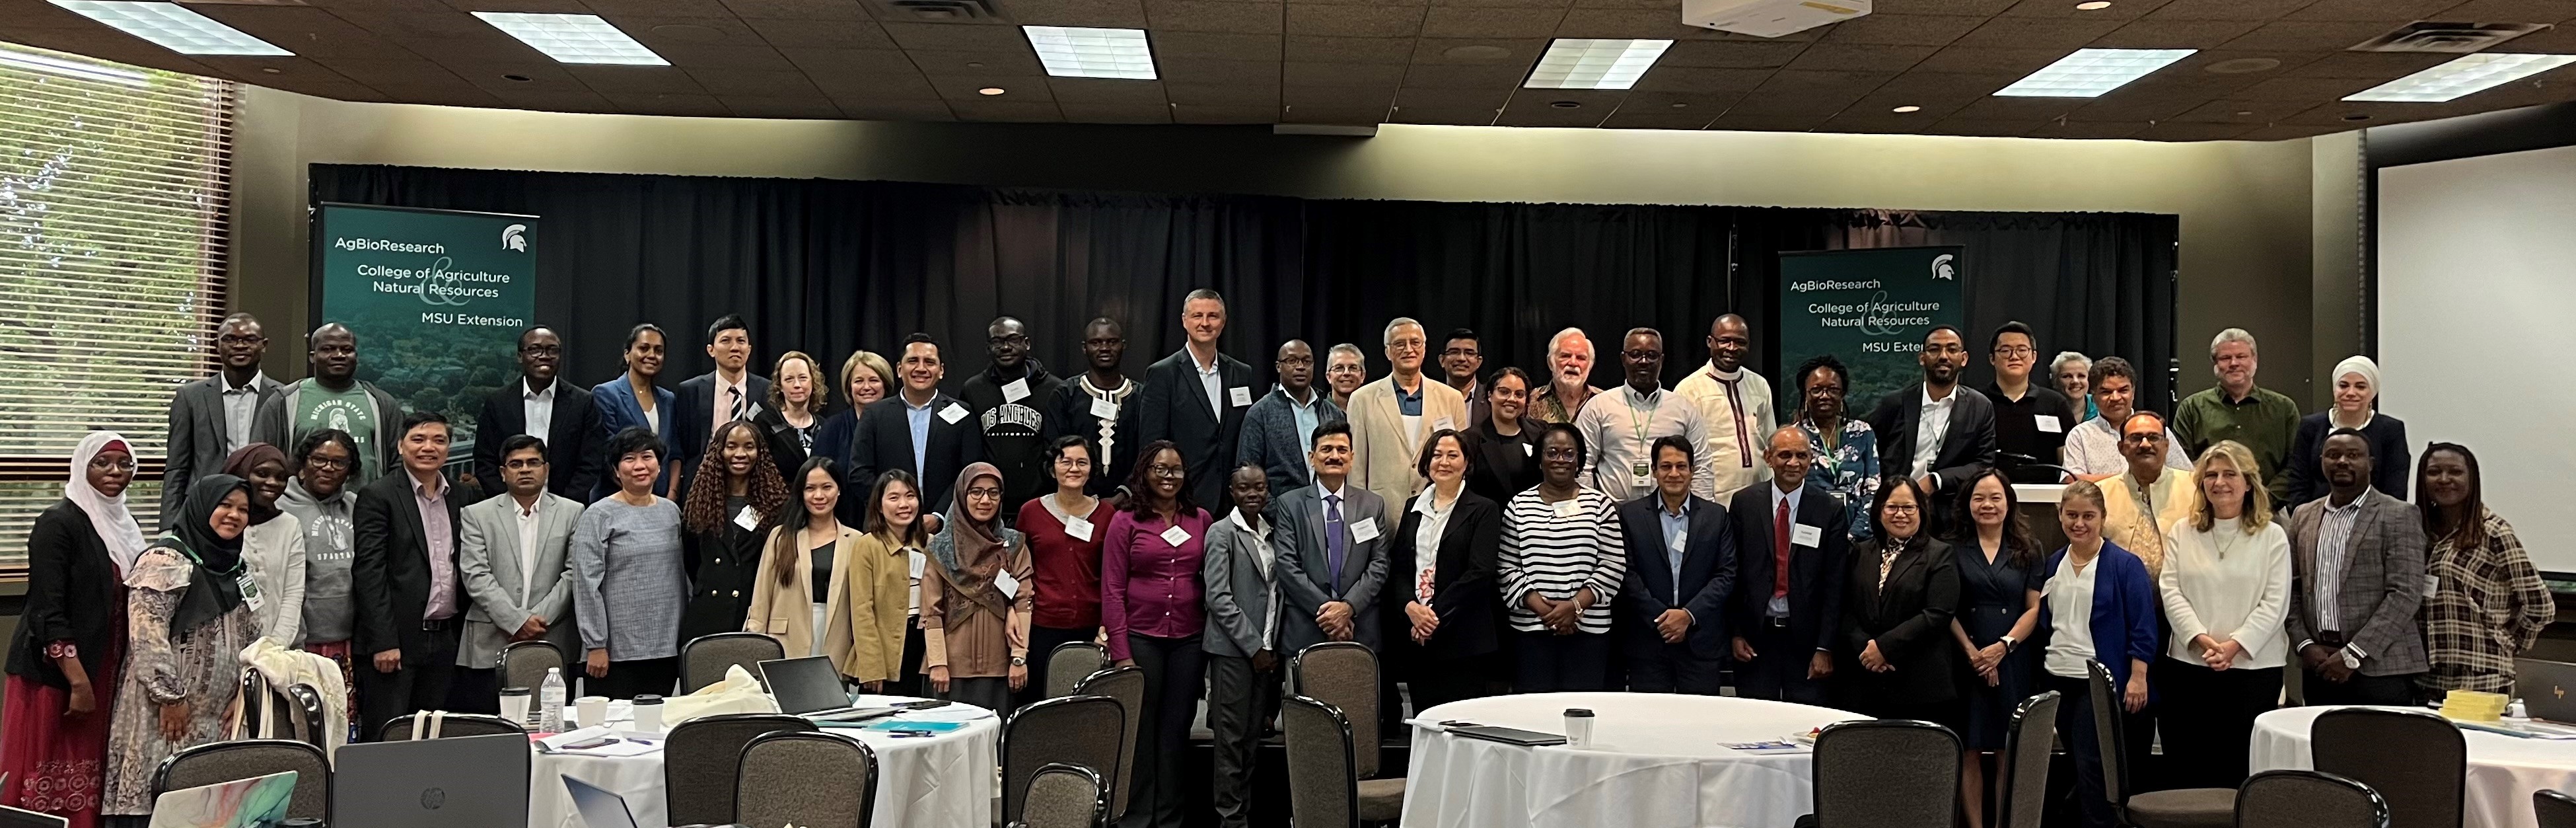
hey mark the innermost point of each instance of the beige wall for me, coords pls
(2245, 207)
(2335, 299)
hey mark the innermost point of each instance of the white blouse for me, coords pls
(2230, 585)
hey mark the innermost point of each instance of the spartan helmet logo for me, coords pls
(1944, 268)
(514, 238)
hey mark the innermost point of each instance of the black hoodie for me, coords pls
(1013, 430)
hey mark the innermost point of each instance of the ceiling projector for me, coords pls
(1769, 18)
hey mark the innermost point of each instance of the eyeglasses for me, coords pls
(327, 463)
(104, 463)
(1009, 339)
(1901, 509)
(2015, 351)
(2142, 437)
(241, 339)
(1165, 470)
(542, 350)
(984, 492)
(1304, 360)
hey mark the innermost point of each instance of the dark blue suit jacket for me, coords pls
(2124, 612)
(615, 400)
(1708, 576)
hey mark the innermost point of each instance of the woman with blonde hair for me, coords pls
(792, 422)
(865, 378)
(2226, 590)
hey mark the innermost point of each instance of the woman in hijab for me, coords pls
(274, 543)
(192, 608)
(63, 666)
(2356, 399)
(974, 602)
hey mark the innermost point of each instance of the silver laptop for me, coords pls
(432, 783)
(257, 802)
(599, 807)
(811, 687)
(2548, 689)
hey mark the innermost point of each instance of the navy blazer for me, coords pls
(2391, 463)
(694, 421)
(1815, 572)
(2124, 612)
(1708, 575)
(1175, 408)
(573, 439)
(883, 442)
(618, 411)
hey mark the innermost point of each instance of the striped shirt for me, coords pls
(1557, 549)
(2334, 551)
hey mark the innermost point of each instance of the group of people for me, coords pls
(1482, 531)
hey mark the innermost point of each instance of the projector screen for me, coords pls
(2477, 276)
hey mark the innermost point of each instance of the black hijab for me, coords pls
(214, 587)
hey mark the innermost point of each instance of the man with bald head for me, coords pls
(1735, 404)
(334, 397)
(1280, 429)
(1790, 545)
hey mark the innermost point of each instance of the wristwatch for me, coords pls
(2011, 643)
(1019, 661)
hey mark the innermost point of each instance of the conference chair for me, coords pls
(291, 712)
(2178, 808)
(1071, 662)
(1064, 796)
(1081, 731)
(524, 664)
(2556, 810)
(1885, 773)
(2022, 798)
(1344, 674)
(219, 762)
(2414, 759)
(807, 778)
(2308, 799)
(1324, 787)
(702, 758)
(704, 659)
(1127, 686)
(450, 725)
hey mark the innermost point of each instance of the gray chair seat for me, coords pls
(1381, 800)
(2185, 808)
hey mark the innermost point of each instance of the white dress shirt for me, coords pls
(726, 394)
(528, 549)
(2070, 605)
(241, 403)
(1212, 380)
(2093, 447)
(1779, 607)
(1426, 540)
(1261, 558)
(1934, 427)
(539, 408)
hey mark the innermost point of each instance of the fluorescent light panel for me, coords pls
(173, 27)
(2467, 75)
(1577, 63)
(1079, 52)
(70, 68)
(2090, 72)
(574, 38)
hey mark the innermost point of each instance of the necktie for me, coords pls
(736, 392)
(1334, 546)
(1780, 551)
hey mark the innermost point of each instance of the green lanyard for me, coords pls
(238, 565)
(1640, 426)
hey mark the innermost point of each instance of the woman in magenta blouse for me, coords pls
(1150, 600)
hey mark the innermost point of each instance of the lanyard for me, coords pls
(1640, 425)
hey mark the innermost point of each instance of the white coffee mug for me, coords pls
(591, 711)
(648, 714)
(1578, 728)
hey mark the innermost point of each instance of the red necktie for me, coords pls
(1780, 551)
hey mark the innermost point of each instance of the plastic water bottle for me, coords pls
(550, 702)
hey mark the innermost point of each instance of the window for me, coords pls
(114, 182)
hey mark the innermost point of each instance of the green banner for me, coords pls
(437, 298)
(1870, 308)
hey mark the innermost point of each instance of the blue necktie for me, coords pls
(1334, 546)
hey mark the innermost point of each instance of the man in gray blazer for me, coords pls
(1277, 431)
(511, 552)
(1330, 539)
(211, 418)
(2357, 575)
(1242, 640)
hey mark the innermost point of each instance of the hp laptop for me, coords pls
(432, 783)
(599, 807)
(2545, 687)
(811, 687)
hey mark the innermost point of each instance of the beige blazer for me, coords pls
(786, 612)
(1383, 455)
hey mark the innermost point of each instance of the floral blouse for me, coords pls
(1849, 469)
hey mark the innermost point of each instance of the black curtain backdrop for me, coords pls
(827, 266)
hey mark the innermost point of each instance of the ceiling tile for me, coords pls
(1330, 114)
(1855, 122)
(1005, 62)
(727, 83)
(1700, 80)
(2307, 36)
(1116, 113)
(800, 10)
(1991, 108)
(1799, 92)
(2226, 9)
(2511, 11)
(1646, 23)
(2192, 131)
(1465, 77)
(1118, 14)
(890, 86)
(1453, 116)
(699, 8)
(955, 88)
(647, 103)
(2376, 65)
(963, 36)
(1542, 108)
(36, 14)
(2175, 34)
(995, 109)
(2126, 105)
(1729, 54)
(1107, 91)
(1479, 52)
(927, 110)
(1349, 49)
(1215, 94)
(2087, 130)
(1938, 94)
(1904, 29)
(1746, 122)
(2391, 12)
(1488, 99)
(1260, 73)
(1195, 114)
(2560, 40)
(2242, 112)
(821, 63)
(1860, 57)
(756, 106)
(1989, 61)
(1216, 16)
(2122, 10)
(1503, 4)
(1451, 21)
(562, 101)
(1301, 73)
(1674, 6)
(1337, 96)
(1216, 45)
(2038, 32)
(836, 34)
(1976, 7)
(2304, 89)
(1983, 128)
(306, 31)
(1354, 21)
(400, 72)
(1670, 110)
(633, 80)
(2279, 132)
(550, 6)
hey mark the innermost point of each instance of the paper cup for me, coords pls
(648, 714)
(1578, 728)
(591, 711)
(514, 704)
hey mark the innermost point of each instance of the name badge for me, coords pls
(1104, 409)
(2432, 585)
(1527, 449)
(1805, 535)
(1077, 529)
(916, 562)
(250, 592)
(1016, 390)
(1239, 395)
(1442, 423)
(1567, 508)
(952, 413)
(747, 519)
(1681, 541)
(1640, 476)
(1364, 531)
(1176, 536)
(1009, 586)
(2048, 423)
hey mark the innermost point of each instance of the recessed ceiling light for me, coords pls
(1566, 104)
(2466, 75)
(173, 27)
(574, 38)
(2240, 66)
(70, 68)
(1681, 106)
(1078, 52)
(2095, 5)
(991, 90)
(1907, 108)
(1576, 63)
(2090, 72)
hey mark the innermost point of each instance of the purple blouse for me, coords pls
(1149, 586)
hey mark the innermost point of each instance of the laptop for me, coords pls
(2545, 687)
(599, 807)
(257, 802)
(432, 783)
(811, 687)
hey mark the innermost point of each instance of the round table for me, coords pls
(946, 780)
(1657, 760)
(2503, 770)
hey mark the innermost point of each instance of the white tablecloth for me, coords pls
(941, 781)
(2503, 770)
(1657, 761)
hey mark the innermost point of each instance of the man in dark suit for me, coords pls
(921, 430)
(2357, 564)
(211, 418)
(1681, 568)
(543, 406)
(1936, 431)
(1462, 363)
(1330, 540)
(728, 393)
(1197, 397)
(404, 583)
(1278, 429)
(1792, 540)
